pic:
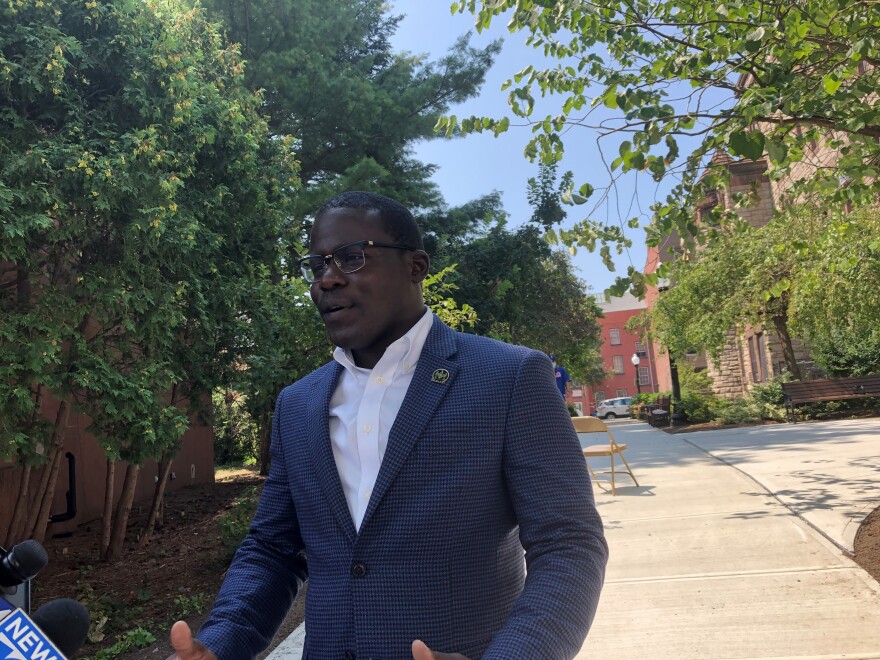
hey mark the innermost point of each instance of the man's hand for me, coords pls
(421, 651)
(185, 647)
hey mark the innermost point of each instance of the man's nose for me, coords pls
(332, 277)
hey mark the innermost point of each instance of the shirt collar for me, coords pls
(405, 352)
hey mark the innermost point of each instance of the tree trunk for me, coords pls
(123, 509)
(159, 492)
(15, 531)
(265, 441)
(158, 496)
(780, 324)
(107, 520)
(39, 519)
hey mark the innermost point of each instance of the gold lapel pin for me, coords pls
(440, 376)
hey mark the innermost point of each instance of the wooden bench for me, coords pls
(657, 413)
(834, 389)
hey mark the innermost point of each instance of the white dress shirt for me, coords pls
(363, 409)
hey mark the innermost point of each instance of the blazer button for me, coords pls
(349, 655)
(359, 569)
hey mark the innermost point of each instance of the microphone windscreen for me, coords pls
(23, 561)
(65, 622)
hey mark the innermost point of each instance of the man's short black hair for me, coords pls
(399, 223)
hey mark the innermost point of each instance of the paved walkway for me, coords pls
(706, 563)
(732, 545)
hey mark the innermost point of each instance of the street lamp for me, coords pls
(635, 360)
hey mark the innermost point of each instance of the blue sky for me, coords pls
(478, 164)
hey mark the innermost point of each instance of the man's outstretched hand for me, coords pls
(421, 651)
(185, 647)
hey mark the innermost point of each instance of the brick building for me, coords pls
(618, 348)
(752, 354)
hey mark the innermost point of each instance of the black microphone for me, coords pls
(21, 563)
(65, 622)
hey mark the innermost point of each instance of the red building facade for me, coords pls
(623, 378)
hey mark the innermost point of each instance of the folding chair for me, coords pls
(595, 425)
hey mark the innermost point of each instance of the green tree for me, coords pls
(835, 300)
(807, 273)
(545, 196)
(140, 189)
(749, 78)
(332, 81)
(743, 277)
(283, 339)
(505, 276)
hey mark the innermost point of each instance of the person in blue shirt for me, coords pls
(562, 377)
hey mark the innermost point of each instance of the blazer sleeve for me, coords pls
(267, 571)
(559, 526)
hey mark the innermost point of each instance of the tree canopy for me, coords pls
(749, 78)
(354, 106)
(521, 289)
(139, 190)
(807, 273)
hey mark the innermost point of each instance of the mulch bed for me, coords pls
(175, 577)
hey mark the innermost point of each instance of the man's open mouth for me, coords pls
(333, 309)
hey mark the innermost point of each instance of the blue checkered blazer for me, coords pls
(478, 469)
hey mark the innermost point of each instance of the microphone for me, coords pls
(22, 562)
(66, 622)
(56, 631)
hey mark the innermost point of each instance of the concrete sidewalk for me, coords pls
(706, 563)
(732, 545)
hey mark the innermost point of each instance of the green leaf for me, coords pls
(748, 144)
(609, 98)
(777, 151)
(831, 83)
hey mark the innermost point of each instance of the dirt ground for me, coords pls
(867, 545)
(177, 575)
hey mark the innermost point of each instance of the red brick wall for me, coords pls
(193, 464)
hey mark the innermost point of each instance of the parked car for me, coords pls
(612, 408)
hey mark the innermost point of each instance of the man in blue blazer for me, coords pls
(428, 483)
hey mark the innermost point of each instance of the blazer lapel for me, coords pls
(431, 381)
(321, 451)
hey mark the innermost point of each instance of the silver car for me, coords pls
(612, 408)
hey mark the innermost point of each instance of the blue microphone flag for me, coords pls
(21, 639)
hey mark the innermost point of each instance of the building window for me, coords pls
(599, 396)
(753, 360)
(644, 378)
(617, 364)
(620, 393)
(758, 358)
(577, 393)
(640, 350)
(615, 336)
(762, 355)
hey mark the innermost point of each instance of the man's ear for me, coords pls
(421, 264)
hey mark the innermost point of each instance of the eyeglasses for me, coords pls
(348, 258)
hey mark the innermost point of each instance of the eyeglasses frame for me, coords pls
(301, 262)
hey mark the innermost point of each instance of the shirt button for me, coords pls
(380, 380)
(367, 428)
(359, 569)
